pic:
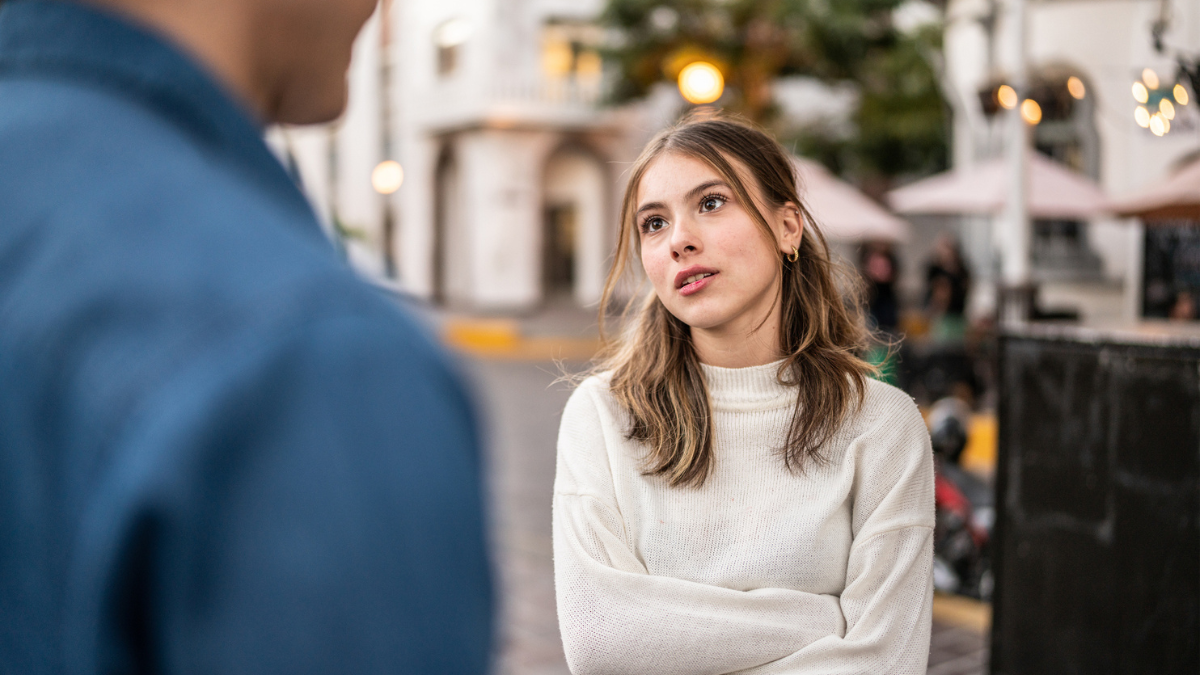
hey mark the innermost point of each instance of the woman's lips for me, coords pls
(698, 285)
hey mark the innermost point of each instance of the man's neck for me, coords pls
(216, 33)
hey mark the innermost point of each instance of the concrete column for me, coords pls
(501, 173)
(415, 205)
(358, 151)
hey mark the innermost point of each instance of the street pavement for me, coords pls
(522, 405)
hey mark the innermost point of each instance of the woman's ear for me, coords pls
(791, 231)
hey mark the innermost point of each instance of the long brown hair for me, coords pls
(655, 373)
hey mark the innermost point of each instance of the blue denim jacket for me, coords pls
(220, 451)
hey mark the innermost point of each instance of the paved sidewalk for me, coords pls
(523, 410)
(957, 650)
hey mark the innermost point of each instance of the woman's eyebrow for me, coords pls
(692, 194)
(651, 206)
(701, 188)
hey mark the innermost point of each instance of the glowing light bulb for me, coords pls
(1150, 78)
(1140, 94)
(1181, 95)
(1031, 112)
(1007, 96)
(1075, 88)
(701, 82)
(1142, 117)
(1166, 108)
(387, 177)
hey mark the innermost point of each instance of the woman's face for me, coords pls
(711, 264)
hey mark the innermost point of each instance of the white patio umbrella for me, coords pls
(1178, 197)
(1055, 192)
(843, 213)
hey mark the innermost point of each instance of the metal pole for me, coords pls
(385, 95)
(1017, 297)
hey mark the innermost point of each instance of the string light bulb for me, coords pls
(1007, 97)
(1181, 95)
(1140, 93)
(1150, 78)
(1142, 117)
(1166, 108)
(1159, 126)
(1075, 88)
(1031, 112)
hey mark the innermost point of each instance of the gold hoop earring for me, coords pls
(794, 255)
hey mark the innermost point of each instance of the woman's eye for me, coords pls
(712, 203)
(653, 224)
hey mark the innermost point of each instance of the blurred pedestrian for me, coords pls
(880, 270)
(948, 282)
(219, 450)
(733, 491)
(1184, 307)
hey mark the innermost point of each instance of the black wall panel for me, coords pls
(1098, 531)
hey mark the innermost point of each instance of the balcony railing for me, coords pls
(512, 100)
(568, 91)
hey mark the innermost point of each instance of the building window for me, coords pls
(1171, 270)
(1067, 133)
(570, 50)
(448, 39)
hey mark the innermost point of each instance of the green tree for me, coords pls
(901, 122)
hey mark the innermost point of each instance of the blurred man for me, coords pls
(219, 451)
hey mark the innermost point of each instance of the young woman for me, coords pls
(733, 493)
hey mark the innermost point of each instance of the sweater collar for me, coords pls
(751, 388)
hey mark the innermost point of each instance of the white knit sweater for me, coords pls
(760, 570)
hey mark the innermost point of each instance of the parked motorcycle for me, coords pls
(965, 508)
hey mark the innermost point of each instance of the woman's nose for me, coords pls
(684, 239)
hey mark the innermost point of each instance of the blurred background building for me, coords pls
(1083, 60)
(510, 145)
(511, 167)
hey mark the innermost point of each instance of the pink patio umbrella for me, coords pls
(1054, 192)
(841, 211)
(1178, 197)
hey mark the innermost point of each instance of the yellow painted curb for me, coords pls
(963, 612)
(541, 349)
(501, 339)
(483, 334)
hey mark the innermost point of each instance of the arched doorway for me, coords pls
(451, 274)
(573, 230)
